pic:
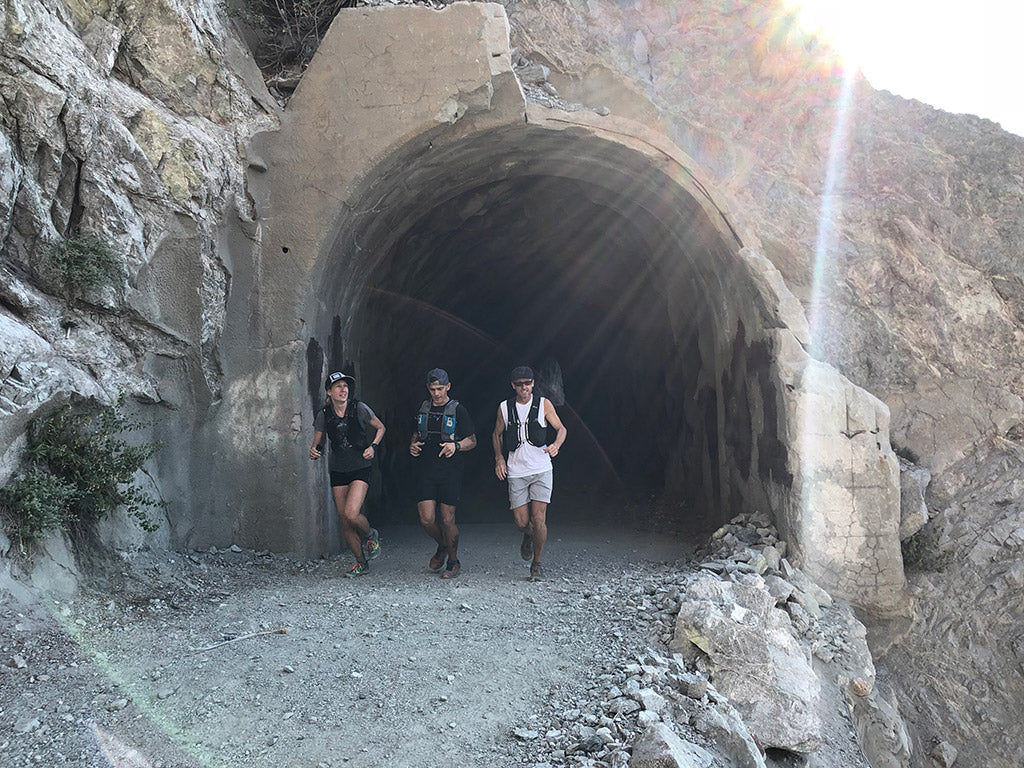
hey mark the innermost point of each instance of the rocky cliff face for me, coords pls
(126, 122)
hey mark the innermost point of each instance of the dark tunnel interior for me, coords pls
(544, 271)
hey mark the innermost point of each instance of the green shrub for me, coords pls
(85, 263)
(36, 502)
(84, 448)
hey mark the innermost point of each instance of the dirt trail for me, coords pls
(397, 668)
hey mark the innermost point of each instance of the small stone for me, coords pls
(525, 734)
(18, 662)
(165, 693)
(945, 754)
(603, 111)
(117, 705)
(27, 725)
(287, 668)
(692, 686)
(860, 686)
(235, 548)
(646, 718)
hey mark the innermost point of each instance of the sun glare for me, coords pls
(840, 25)
(957, 55)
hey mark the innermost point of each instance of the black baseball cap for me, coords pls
(522, 372)
(338, 376)
(437, 376)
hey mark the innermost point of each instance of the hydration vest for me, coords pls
(447, 433)
(536, 433)
(345, 431)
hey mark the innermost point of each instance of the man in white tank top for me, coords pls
(528, 467)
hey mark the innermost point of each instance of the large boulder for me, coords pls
(754, 659)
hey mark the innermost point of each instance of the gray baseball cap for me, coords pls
(437, 376)
(521, 372)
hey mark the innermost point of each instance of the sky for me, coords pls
(964, 56)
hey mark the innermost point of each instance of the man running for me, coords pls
(521, 432)
(349, 424)
(444, 431)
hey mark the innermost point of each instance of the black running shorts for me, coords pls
(444, 487)
(346, 478)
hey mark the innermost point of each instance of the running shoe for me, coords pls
(536, 572)
(371, 546)
(359, 569)
(437, 560)
(526, 548)
(454, 566)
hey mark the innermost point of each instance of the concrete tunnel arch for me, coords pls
(467, 229)
(586, 258)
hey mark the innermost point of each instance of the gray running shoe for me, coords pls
(526, 548)
(372, 545)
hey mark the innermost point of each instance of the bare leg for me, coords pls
(450, 531)
(428, 519)
(538, 519)
(521, 517)
(354, 525)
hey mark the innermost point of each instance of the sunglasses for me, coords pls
(525, 383)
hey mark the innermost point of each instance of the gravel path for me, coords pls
(397, 668)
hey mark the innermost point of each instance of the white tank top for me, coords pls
(526, 459)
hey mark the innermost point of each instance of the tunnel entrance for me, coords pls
(583, 259)
(415, 211)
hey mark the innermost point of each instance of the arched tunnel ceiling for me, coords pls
(563, 251)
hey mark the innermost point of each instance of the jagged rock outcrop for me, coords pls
(126, 122)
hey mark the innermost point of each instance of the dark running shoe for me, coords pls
(536, 572)
(437, 561)
(359, 569)
(526, 548)
(454, 566)
(371, 546)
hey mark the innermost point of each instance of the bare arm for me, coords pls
(415, 444)
(500, 469)
(314, 449)
(552, 418)
(377, 424)
(465, 444)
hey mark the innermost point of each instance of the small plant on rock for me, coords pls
(85, 263)
(85, 449)
(35, 503)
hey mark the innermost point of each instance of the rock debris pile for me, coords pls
(735, 679)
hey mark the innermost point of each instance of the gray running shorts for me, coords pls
(530, 488)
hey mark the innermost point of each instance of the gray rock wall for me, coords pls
(127, 124)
